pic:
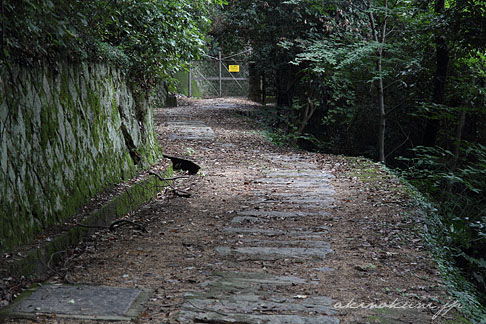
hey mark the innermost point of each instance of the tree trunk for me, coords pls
(381, 106)
(440, 79)
(254, 84)
(284, 96)
(309, 110)
(381, 89)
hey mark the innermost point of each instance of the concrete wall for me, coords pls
(66, 133)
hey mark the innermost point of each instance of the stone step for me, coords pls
(273, 253)
(314, 174)
(287, 243)
(231, 281)
(253, 298)
(80, 301)
(295, 182)
(273, 232)
(254, 219)
(254, 308)
(291, 192)
(298, 202)
(217, 318)
(185, 123)
(279, 214)
(190, 130)
(252, 216)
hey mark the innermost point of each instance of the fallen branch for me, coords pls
(54, 270)
(177, 192)
(180, 193)
(115, 225)
(122, 222)
(167, 179)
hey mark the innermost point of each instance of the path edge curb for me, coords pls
(34, 265)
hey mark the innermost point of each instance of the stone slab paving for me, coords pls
(83, 302)
(309, 189)
(236, 281)
(301, 202)
(253, 298)
(273, 253)
(324, 193)
(294, 191)
(190, 130)
(186, 123)
(301, 182)
(261, 216)
(307, 174)
(226, 106)
(255, 220)
(216, 318)
(301, 160)
(299, 243)
(244, 303)
(249, 219)
(279, 214)
(273, 232)
(252, 308)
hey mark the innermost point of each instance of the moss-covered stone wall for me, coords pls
(66, 133)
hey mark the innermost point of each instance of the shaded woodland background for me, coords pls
(402, 82)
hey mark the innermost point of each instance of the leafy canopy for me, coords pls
(152, 38)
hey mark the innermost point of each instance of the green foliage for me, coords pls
(278, 129)
(262, 25)
(151, 38)
(459, 193)
(33, 28)
(327, 56)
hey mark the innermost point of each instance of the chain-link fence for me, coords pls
(220, 76)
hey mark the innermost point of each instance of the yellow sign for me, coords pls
(234, 68)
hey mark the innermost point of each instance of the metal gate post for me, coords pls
(190, 81)
(220, 74)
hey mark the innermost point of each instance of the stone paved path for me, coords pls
(290, 189)
(273, 260)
